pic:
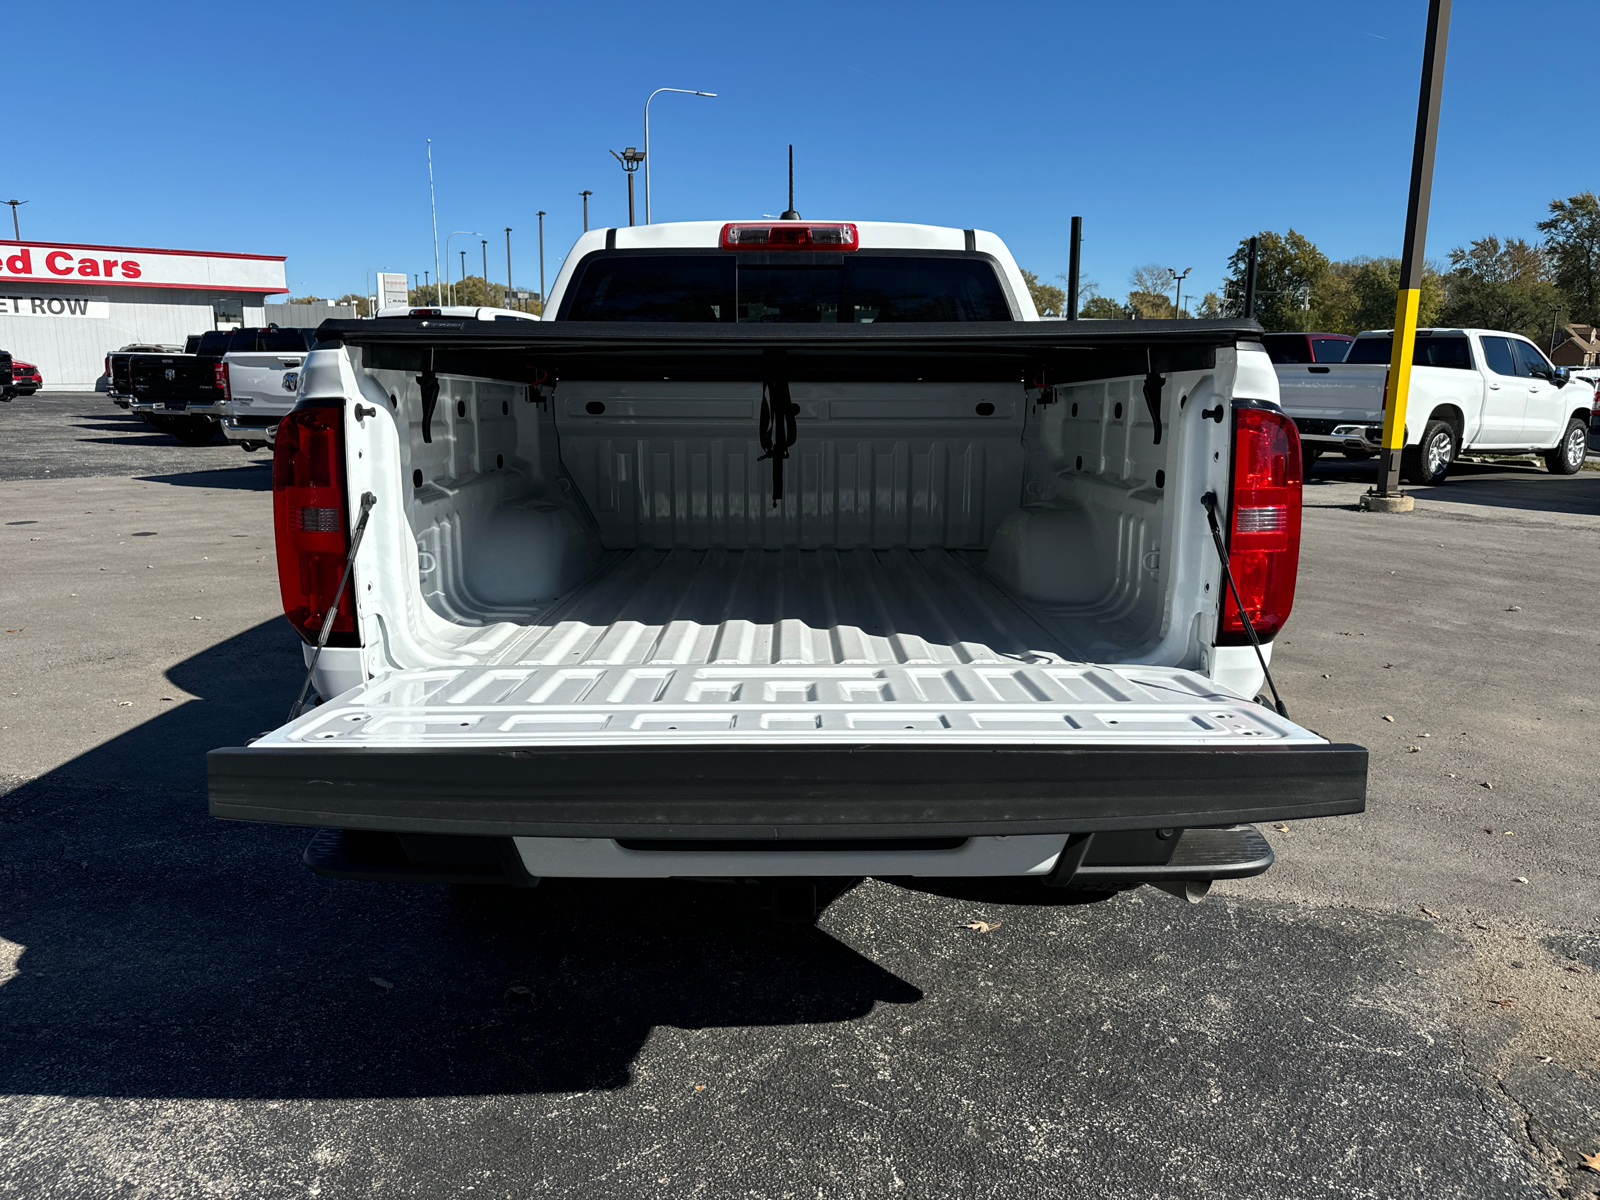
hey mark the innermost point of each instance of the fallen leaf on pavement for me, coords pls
(383, 983)
(1389, 719)
(1576, 968)
(1429, 911)
(1413, 749)
(699, 1087)
(1519, 879)
(1515, 608)
(1281, 827)
(982, 926)
(1488, 785)
(1592, 1161)
(1503, 1002)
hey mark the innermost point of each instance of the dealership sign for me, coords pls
(133, 266)
(55, 306)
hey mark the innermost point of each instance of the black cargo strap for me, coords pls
(367, 501)
(430, 396)
(1210, 502)
(778, 430)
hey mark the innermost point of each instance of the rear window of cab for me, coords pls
(855, 288)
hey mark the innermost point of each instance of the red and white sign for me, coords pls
(136, 266)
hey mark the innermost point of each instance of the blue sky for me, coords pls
(1174, 129)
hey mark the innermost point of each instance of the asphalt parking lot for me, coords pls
(1407, 1005)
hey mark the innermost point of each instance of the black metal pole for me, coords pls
(630, 197)
(586, 195)
(789, 213)
(1250, 278)
(485, 242)
(541, 256)
(508, 266)
(1405, 325)
(1074, 262)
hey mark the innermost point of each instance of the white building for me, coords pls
(64, 307)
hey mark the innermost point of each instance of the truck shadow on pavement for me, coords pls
(168, 954)
(254, 475)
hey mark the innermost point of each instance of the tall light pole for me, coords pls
(586, 194)
(541, 256)
(1177, 308)
(15, 228)
(508, 264)
(1388, 496)
(434, 208)
(630, 160)
(646, 156)
(454, 234)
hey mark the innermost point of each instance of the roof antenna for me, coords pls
(791, 215)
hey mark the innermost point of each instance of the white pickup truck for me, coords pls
(788, 551)
(1472, 391)
(260, 376)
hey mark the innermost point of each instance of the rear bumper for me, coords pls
(251, 429)
(177, 408)
(781, 793)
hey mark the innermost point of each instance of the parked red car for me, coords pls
(25, 378)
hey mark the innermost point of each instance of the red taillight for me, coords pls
(765, 235)
(311, 523)
(426, 312)
(221, 369)
(1264, 524)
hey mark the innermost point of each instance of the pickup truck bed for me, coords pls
(611, 619)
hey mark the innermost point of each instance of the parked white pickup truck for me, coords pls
(788, 550)
(1472, 391)
(260, 376)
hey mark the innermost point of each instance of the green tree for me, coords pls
(1049, 300)
(1572, 251)
(1495, 285)
(306, 300)
(1102, 308)
(1147, 294)
(1360, 293)
(362, 303)
(1289, 271)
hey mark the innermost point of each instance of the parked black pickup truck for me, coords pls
(118, 384)
(181, 394)
(7, 391)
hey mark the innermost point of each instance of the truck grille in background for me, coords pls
(317, 520)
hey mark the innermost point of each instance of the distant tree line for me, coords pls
(1511, 284)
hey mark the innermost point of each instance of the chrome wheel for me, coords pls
(1441, 449)
(1577, 446)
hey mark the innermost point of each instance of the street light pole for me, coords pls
(646, 155)
(434, 208)
(1177, 306)
(541, 257)
(454, 234)
(463, 277)
(630, 160)
(508, 263)
(1406, 303)
(586, 195)
(15, 228)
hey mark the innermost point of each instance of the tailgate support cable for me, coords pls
(1210, 502)
(367, 501)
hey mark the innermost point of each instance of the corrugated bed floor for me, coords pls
(751, 607)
